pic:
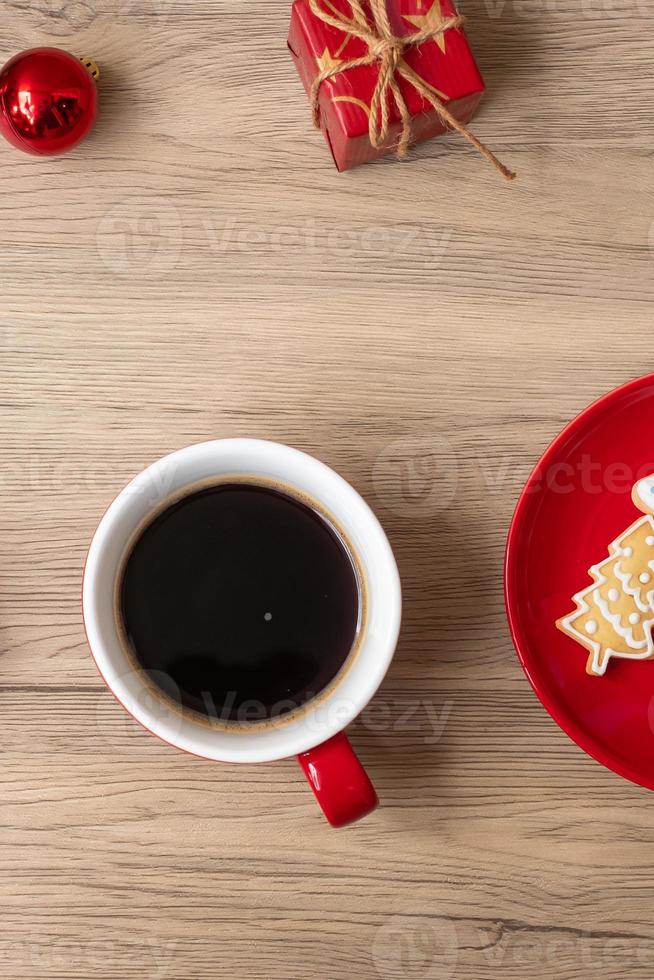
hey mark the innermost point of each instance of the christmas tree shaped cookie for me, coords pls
(614, 616)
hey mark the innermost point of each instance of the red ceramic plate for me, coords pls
(577, 501)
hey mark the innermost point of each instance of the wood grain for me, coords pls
(199, 270)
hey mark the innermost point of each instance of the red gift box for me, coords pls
(444, 63)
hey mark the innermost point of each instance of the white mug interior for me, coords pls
(266, 460)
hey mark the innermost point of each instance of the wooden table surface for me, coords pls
(197, 270)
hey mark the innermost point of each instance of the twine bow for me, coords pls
(388, 50)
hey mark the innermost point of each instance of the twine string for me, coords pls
(387, 50)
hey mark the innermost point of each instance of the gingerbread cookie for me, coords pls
(614, 616)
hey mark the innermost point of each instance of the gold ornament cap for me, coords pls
(92, 68)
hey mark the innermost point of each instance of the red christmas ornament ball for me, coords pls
(48, 100)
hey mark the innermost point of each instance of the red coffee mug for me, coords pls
(313, 733)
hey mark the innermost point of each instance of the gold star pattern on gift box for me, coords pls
(326, 61)
(432, 20)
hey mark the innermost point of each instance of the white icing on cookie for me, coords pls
(626, 632)
(643, 494)
(600, 656)
(633, 585)
(634, 591)
(589, 597)
(587, 630)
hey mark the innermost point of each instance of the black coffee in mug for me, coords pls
(240, 600)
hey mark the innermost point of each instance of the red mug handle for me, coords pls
(339, 782)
